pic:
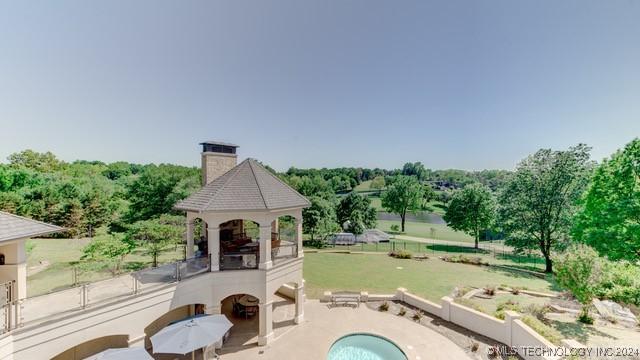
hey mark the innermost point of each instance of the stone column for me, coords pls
(265, 333)
(214, 247)
(275, 226)
(190, 227)
(265, 247)
(213, 309)
(299, 236)
(299, 298)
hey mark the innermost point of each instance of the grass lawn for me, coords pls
(61, 254)
(378, 273)
(363, 186)
(420, 229)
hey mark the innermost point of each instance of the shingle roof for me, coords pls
(219, 143)
(248, 186)
(14, 227)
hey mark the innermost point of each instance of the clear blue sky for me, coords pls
(454, 84)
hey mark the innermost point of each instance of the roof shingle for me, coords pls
(247, 186)
(13, 227)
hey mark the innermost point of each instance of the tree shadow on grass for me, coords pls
(455, 249)
(578, 331)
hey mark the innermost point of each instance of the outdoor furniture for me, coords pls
(345, 298)
(248, 305)
(192, 334)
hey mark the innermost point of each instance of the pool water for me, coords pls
(365, 347)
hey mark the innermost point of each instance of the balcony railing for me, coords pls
(284, 251)
(17, 313)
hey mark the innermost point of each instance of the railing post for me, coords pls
(177, 271)
(83, 296)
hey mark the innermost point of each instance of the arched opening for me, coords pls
(93, 347)
(239, 245)
(243, 311)
(177, 314)
(284, 244)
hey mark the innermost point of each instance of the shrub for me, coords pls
(620, 282)
(417, 316)
(384, 306)
(395, 228)
(490, 290)
(584, 316)
(402, 311)
(578, 269)
(400, 254)
(464, 259)
(474, 346)
(541, 328)
(508, 305)
(515, 290)
(539, 311)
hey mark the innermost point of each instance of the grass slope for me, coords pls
(378, 273)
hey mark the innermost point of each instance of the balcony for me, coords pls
(17, 313)
(242, 253)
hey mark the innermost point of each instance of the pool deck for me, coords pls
(324, 325)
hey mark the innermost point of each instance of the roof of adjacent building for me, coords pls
(247, 186)
(221, 143)
(13, 227)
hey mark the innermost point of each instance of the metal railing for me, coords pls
(78, 298)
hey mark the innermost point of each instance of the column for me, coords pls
(190, 227)
(299, 298)
(265, 333)
(213, 233)
(213, 309)
(265, 247)
(299, 236)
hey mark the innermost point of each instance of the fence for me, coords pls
(494, 252)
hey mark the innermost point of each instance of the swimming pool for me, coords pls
(365, 347)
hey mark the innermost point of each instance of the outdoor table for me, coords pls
(248, 300)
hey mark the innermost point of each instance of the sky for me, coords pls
(453, 84)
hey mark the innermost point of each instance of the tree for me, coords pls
(415, 169)
(157, 190)
(578, 269)
(403, 195)
(111, 249)
(539, 201)
(320, 217)
(44, 162)
(610, 219)
(471, 210)
(356, 212)
(378, 183)
(156, 235)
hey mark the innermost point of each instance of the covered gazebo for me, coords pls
(248, 193)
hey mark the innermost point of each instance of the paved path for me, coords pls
(323, 325)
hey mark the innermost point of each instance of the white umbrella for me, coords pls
(134, 353)
(191, 334)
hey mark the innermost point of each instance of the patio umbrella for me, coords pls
(134, 353)
(191, 334)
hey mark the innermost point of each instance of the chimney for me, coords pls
(217, 159)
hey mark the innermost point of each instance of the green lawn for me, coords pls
(61, 254)
(378, 273)
(420, 229)
(363, 186)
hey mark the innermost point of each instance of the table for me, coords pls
(248, 300)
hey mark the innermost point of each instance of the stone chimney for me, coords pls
(217, 159)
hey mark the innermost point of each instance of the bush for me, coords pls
(584, 316)
(395, 228)
(508, 305)
(400, 254)
(490, 290)
(384, 306)
(620, 282)
(464, 259)
(417, 316)
(402, 311)
(541, 328)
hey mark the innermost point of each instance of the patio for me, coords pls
(323, 325)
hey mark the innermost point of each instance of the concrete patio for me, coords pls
(324, 325)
